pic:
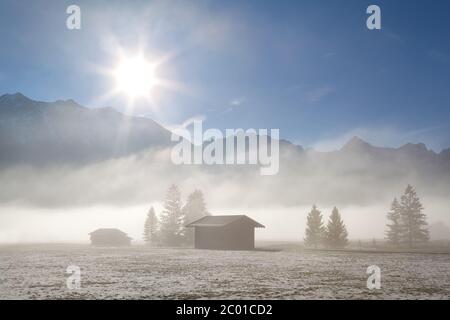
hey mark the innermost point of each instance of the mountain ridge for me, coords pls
(64, 131)
(125, 153)
(36, 132)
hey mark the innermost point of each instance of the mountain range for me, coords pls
(64, 134)
(35, 132)
(60, 132)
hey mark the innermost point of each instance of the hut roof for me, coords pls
(221, 221)
(108, 231)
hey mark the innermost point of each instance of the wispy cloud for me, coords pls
(329, 55)
(318, 94)
(180, 128)
(383, 136)
(236, 102)
(439, 56)
(394, 36)
(233, 104)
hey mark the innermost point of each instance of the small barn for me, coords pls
(109, 237)
(230, 232)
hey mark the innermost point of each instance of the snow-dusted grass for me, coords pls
(39, 272)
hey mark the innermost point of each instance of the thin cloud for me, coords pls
(394, 36)
(329, 55)
(236, 102)
(418, 132)
(381, 136)
(180, 129)
(233, 104)
(318, 94)
(439, 56)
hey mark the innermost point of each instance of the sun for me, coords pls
(136, 77)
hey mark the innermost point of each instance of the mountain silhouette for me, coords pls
(64, 133)
(356, 144)
(35, 132)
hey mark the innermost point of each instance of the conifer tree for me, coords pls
(393, 232)
(336, 233)
(194, 209)
(172, 220)
(414, 228)
(315, 231)
(151, 228)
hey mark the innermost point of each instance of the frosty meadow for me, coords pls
(141, 156)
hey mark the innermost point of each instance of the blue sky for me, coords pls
(310, 68)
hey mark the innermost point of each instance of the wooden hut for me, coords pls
(230, 232)
(109, 237)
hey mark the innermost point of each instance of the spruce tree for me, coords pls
(172, 219)
(336, 234)
(151, 228)
(194, 209)
(414, 228)
(393, 232)
(315, 231)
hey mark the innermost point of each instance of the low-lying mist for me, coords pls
(65, 203)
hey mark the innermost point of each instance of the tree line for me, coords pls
(406, 225)
(334, 235)
(168, 229)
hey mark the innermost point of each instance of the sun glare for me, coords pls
(135, 77)
(138, 77)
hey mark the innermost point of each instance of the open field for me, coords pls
(39, 272)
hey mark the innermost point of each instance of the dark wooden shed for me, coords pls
(231, 232)
(109, 237)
